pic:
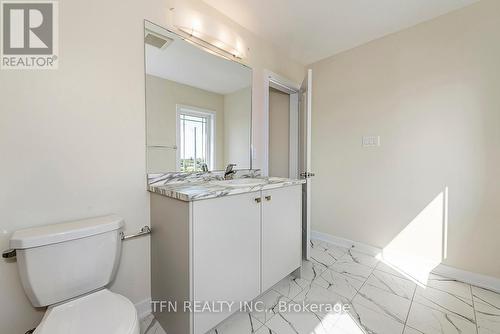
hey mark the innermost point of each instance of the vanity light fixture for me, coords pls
(202, 30)
(201, 38)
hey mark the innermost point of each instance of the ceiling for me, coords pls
(190, 65)
(312, 30)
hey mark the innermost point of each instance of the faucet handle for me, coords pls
(228, 174)
(230, 167)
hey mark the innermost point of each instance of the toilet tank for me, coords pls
(60, 261)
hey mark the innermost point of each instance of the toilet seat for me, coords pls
(101, 312)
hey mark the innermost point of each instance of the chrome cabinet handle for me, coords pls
(268, 198)
(258, 200)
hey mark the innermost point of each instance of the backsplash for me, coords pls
(177, 177)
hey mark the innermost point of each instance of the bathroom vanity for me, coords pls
(219, 236)
(221, 240)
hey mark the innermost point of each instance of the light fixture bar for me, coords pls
(209, 42)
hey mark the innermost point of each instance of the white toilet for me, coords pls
(67, 267)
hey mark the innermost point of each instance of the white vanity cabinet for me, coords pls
(281, 233)
(226, 253)
(229, 248)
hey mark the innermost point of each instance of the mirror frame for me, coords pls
(214, 51)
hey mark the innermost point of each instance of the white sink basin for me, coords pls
(239, 182)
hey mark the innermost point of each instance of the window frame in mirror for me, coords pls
(210, 147)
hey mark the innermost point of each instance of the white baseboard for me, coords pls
(346, 243)
(143, 308)
(482, 281)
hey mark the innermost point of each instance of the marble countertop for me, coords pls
(199, 190)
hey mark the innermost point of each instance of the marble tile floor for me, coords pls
(149, 325)
(380, 300)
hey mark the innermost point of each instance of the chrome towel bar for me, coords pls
(144, 230)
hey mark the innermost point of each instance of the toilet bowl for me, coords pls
(67, 267)
(99, 312)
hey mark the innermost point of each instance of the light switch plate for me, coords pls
(371, 141)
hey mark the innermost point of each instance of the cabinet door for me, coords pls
(281, 233)
(226, 253)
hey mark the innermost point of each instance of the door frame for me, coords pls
(306, 88)
(273, 80)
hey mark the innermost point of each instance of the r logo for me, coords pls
(27, 28)
(30, 39)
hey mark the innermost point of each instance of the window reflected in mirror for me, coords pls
(196, 143)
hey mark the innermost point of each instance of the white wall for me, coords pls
(432, 93)
(162, 98)
(279, 133)
(72, 141)
(237, 124)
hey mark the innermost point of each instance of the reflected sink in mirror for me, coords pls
(239, 183)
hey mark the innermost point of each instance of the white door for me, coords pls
(226, 253)
(281, 233)
(305, 159)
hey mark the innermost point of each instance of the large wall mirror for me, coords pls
(198, 106)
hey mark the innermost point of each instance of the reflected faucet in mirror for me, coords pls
(229, 173)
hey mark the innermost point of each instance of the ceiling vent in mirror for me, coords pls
(157, 40)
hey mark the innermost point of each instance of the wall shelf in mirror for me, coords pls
(173, 147)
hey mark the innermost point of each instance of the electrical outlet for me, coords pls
(371, 141)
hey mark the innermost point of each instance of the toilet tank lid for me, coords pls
(56, 233)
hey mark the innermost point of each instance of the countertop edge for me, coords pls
(222, 192)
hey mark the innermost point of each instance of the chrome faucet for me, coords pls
(229, 173)
(204, 167)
